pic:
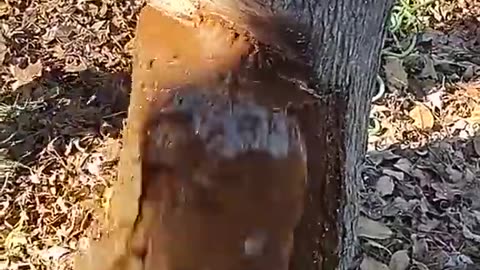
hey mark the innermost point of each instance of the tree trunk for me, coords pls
(263, 112)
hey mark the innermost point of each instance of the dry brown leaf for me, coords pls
(4, 8)
(15, 239)
(436, 99)
(111, 150)
(404, 165)
(395, 174)
(474, 115)
(458, 261)
(75, 67)
(377, 157)
(27, 75)
(399, 260)
(428, 225)
(454, 175)
(422, 116)
(369, 263)
(54, 253)
(472, 89)
(396, 76)
(385, 185)
(420, 247)
(372, 229)
(377, 245)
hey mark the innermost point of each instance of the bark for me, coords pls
(316, 61)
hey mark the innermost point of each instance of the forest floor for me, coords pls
(64, 83)
(421, 193)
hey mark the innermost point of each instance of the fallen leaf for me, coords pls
(399, 260)
(423, 177)
(395, 74)
(27, 75)
(112, 149)
(458, 261)
(469, 73)
(419, 248)
(374, 244)
(385, 185)
(428, 70)
(75, 67)
(55, 253)
(436, 99)
(395, 174)
(94, 167)
(472, 89)
(422, 116)
(16, 239)
(403, 165)
(469, 175)
(4, 8)
(455, 175)
(468, 234)
(372, 229)
(398, 206)
(96, 26)
(460, 124)
(377, 157)
(474, 115)
(428, 225)
(369, 263)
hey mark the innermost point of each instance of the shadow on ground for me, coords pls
(61, 107)
(422, 206)
(59, 145)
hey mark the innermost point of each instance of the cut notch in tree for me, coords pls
(272, 78)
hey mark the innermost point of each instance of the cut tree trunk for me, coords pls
(246, 128)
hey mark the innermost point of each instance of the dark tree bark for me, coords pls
(316, 62)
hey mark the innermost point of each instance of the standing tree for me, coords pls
(246, 128)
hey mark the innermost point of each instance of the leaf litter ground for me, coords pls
(63, 98)
(421, 177)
